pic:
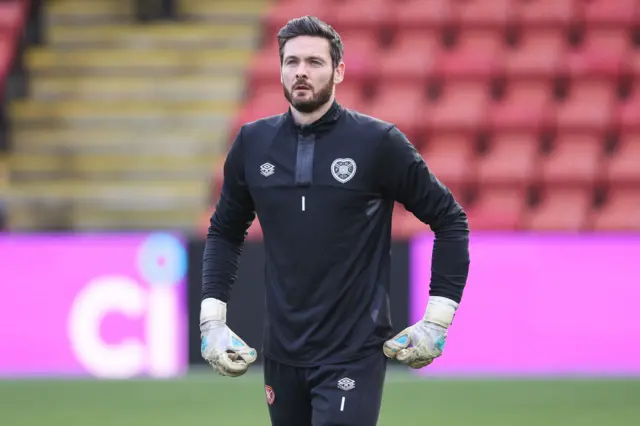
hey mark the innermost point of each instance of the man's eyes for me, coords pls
(316, 62)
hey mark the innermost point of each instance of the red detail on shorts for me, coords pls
(271, 395)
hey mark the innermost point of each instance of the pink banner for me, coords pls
(93, 305)
(541, 305)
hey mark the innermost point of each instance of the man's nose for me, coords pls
(301, 71)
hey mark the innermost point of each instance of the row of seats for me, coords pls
(585, 105)
(12, 19)
(556, 209)
(519, 159)
(418, 55)
(418, 13)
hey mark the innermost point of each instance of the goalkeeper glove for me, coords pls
(227, 353)
(418, 345)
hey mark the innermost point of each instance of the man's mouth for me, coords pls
(301, 87)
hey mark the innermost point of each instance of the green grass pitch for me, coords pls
(205, 399)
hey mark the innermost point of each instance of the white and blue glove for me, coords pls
(227, 353)
(418, 345)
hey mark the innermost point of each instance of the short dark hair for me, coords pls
(311, 26)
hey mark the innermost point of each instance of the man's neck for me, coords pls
(305, 119)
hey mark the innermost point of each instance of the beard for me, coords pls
(313, 103)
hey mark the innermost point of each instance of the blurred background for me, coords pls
(116, 116)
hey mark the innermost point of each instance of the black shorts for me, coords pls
(348, 394)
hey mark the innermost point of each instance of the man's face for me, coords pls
(308, 76)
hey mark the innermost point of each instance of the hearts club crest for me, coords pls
(343, 169)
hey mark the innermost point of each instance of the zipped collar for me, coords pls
(321, 125)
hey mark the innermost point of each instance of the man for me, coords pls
(323, 181)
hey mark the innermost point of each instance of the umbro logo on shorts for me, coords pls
(346, 384)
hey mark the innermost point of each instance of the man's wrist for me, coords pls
(212, 309)
(440, 310)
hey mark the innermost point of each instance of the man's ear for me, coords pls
(338, 73)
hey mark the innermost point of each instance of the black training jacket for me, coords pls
(324, 196)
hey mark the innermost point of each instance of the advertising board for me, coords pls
(540, 304)
(108, 306)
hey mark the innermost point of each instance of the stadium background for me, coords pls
(115, 119)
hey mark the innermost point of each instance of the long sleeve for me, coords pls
(229, 223)
(405, 176)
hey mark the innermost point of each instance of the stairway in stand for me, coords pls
(125, 122)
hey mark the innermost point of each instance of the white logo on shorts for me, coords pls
(343, 169)
(346, 384)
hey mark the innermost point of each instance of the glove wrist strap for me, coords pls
(440, 310)
(213, 310)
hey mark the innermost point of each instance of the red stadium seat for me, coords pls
(538, 54)
(265, 64)
(634, 61)
(475, 55)
(281, 11)
(267, 100)
(361, 52)
(560, 209)
(451, 158)
(497, 209)
(461, 106)
(411, 57)
(621, 212)
(602, 53)
(359, 14)
(13, 14)
(623, 167)
(526, 105)
(589, 106)
(511, 161)
(349, 94)
(268, 93)
(6, 54)
(422, 14)
(482, 13)
(548, 13)
(609, 13)
(399, 104)
(627, 116)
(574, 161)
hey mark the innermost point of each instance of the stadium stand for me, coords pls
(124, 121)
(529, 110)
